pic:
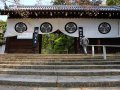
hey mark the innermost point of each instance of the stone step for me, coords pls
(60, 81)
(80, 57)
(18, 66)
(8, 87)
(48, 55)
(54, 59)
(61, 72)
(62, 63)
(59, 59)
(64, 55)
(51, 56)
(66, 70)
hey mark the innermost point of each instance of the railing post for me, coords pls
(93, 51)
(104, 52)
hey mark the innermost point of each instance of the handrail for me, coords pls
(104, 49)
(106, 45)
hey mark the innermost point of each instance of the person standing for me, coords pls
(84, 42)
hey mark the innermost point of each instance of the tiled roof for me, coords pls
(66, 7)
(62, 11)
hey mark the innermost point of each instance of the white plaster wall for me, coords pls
(11, 26)
(90, 26)
(119, 28)
(2, 49)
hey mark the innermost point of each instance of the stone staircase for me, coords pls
(64, 70)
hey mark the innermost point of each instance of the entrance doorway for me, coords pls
(57, 43)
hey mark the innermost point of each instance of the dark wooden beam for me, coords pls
(62, 14)
(40, 43)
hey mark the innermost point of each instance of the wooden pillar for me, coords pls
(77, 45)
(98, 48)
(7, 45)
(40, 43)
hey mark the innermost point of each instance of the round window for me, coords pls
(71, 27)
(46, 27)
(104, 28)
(20, 27)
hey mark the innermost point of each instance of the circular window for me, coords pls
(104, 28)
(71, 27)
(20, 27)
(46, 27)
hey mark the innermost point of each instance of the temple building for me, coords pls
(26, 24)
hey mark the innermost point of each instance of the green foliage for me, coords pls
(97, 3)
(54, 43)
(84, 2)
(47, 42)
(77, 2)
(58, 2)
(113, 2)
(3, 25)
(2, 30)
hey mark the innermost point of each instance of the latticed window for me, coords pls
(20, 27)
(104, 28)
(71, 27)
(46, 27)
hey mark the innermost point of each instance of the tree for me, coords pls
(14, 2)
(2, 29)
(84, 2)
(64, 42)
(3, 25)
(38, 2)
(57, 43)
(77, 2)
(17, 2)
(113, 2)
(4, 2)
(89, 2)
(59, 2)
(96, 2)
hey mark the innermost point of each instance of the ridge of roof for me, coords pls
(63, 7)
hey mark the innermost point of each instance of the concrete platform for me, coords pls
(80, 62)
(61, 72)
(20, 66)
(59, 81)
(6, 87)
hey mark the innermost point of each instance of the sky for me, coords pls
(23, 2)
(32, 2)
(27, 2)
